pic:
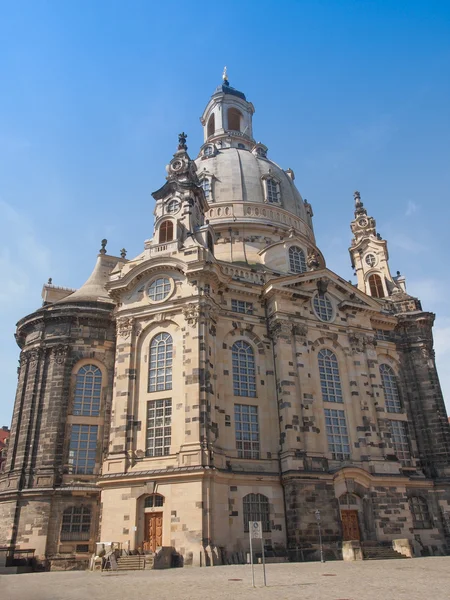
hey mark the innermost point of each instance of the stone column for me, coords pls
(424, 400)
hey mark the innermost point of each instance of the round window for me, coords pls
(323, 307)
(173, 206)
(208, 151)
(371, 260)
(159, 289)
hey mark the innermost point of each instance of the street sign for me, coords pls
(256, 530)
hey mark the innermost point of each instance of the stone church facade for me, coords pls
(226, 375)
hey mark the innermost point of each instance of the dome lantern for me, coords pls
(228, 116)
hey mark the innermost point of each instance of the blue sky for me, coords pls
(351, 95)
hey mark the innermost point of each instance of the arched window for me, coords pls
(420, 512)
(256, 508)
(330, 382)
(376, 286)
(389, 381)
(160, 365)
(234, 119)
(153, 501)
(244, 374)
(211, 126)
(165, 232)
(76, 523)
(88, 389)
(297, 261)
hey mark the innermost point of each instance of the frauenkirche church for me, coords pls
(225, 375)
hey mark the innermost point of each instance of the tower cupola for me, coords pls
(228, 115)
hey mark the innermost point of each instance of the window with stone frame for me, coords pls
(390, 388)
(337, 434)
(420, 513)
(154, 501)
(297, 260)
(160, 363)
(400, 441)
(256, 508)
(76, 523)
(166, 232)
(159, 427)
(88, 389)
(206, 185)
(376, 286)
(244, 371)
(330, 381)
(241, 306)
(272, 191)
(323, 307)
(247, 430)
(83, 449)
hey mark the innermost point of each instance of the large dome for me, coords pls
(238, 175)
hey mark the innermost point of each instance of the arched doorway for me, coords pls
(350, 506)
(153, 522)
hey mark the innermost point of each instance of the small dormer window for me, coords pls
(261, 152)
(206, 185)
(272, 191)
(208, 151)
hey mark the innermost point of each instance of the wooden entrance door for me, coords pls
(350, 525)
(153, 530)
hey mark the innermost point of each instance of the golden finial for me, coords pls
(224, 75)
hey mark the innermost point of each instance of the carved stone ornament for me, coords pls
(125, 327)
(359, 342)
(60, 353)
(322, 284)
(300, 330)
(191, 313)
(313, 261)
(280, 329)
(208, 312)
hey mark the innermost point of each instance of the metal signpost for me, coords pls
(255, 531)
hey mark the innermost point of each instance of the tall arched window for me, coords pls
(166, 232)
(76, 523)
(88, 389)
(389, 381)
(256, 508)
(234, 119)
(211, 125)
(420, 512)
(160, 366)
(376, 286)
(244, 374)
(330, 382)
(297, 260)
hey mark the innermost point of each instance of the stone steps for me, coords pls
(381, 553)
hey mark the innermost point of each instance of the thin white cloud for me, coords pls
(411, 208)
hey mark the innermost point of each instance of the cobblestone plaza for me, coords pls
(400, 579)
